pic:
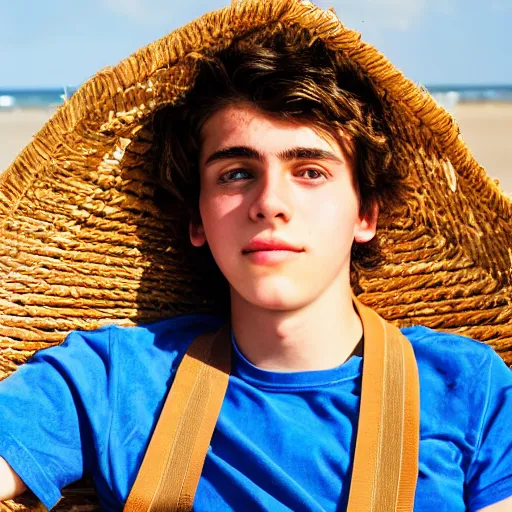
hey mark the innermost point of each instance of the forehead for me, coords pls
(244, 125)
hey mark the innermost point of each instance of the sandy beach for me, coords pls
(486, 128)
(17, 127)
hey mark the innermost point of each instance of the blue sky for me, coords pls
(56, 42)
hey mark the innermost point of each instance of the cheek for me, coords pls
(338, 213)
(332, 224)
(219, 215)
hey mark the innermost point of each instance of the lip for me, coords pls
(260, 244)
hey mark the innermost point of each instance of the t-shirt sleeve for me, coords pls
(489, 478)
(54, 413)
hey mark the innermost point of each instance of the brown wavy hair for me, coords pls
(290, 76)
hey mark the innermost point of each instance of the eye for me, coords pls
(234, 175)
(312, 174)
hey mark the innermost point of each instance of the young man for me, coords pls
(283, 162)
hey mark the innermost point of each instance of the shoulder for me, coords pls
(458, 375)
(466, 405)
(112, 343)
(452, 355)
(175, 330)
(172, 334)
(456, 368)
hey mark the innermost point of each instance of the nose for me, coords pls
(273, 197)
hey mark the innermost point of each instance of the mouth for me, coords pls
(271, 252)
(270, 246)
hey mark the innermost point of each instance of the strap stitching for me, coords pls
(402, 359)
(186, 473)
(173, 447)
(381, 422)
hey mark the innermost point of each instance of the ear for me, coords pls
(196, 233)
(195, 228)
(366, 226)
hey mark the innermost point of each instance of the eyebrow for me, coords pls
(234, 152)
(298, 153)
(309, 154)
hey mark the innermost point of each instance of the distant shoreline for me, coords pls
(447, 95)
(50, 109)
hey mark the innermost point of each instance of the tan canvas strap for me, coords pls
(173, 462)
(386, 456)
(387, 446)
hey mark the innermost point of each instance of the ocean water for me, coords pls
(33, 98)
(447, 95)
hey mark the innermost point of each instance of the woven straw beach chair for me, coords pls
(85, 241)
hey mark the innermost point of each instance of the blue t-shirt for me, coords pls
(283, 441)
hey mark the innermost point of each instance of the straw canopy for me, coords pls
(84, 243)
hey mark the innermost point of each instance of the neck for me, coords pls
(318, 336)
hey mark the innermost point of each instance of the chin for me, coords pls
(278, 299)
(277, 292)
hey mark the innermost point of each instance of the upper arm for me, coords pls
(489, 477)
(54, 414)
(11, 484)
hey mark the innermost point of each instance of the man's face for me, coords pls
(273, 181)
